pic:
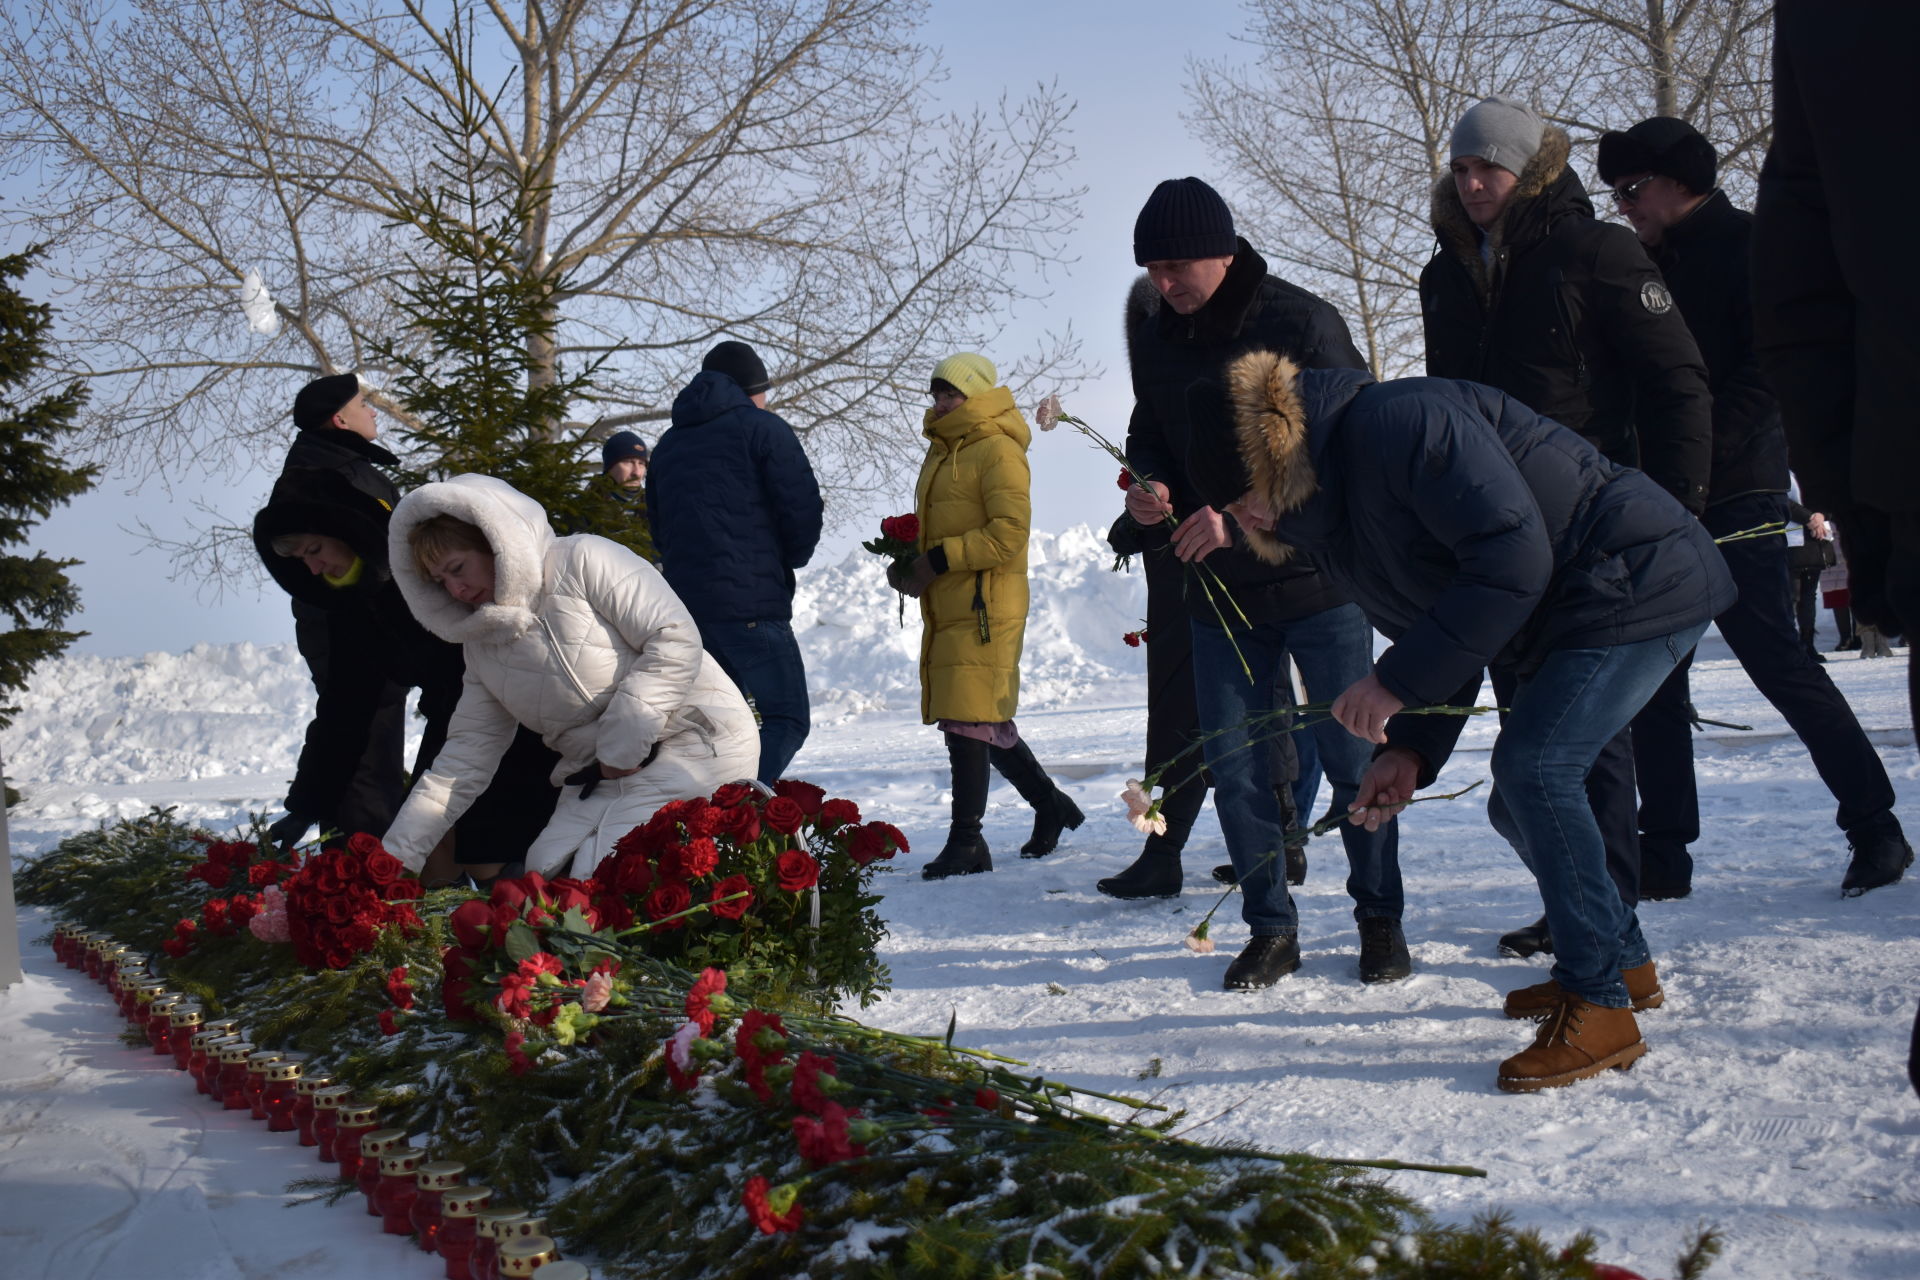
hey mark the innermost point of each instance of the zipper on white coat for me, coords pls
(565, 666)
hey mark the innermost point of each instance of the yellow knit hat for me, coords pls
(969, 373)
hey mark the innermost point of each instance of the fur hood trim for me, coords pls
(1271, 423)
(517, 529)
(1456, 231)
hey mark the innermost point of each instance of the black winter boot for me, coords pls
(1154, 874)
(966, 851)
(1383, 950)
(1881, 855)
(1527, 940)
(1053, 809)
(1263, 962)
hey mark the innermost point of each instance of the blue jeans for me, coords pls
(763, 658)
(1334, 649)
(1561, 717)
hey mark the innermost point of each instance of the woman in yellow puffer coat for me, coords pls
(971, 580)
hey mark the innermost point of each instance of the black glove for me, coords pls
(586, 779)
(289, 829)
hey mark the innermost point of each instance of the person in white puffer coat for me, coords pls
(580, 640)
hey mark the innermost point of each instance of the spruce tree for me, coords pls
(35, 592)
(466, 371)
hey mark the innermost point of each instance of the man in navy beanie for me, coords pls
(1206, 298)
(736, 511)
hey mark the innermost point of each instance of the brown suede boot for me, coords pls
(1537, 1001)
(1577, 1040)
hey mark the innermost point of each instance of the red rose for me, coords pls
(632, 874)
(734, 793)
(901, 528)
(384, 869)
(503, 918)
(614, 912)
(874, 841)
(809, 796)
(986, 1099)
(796, 870)
(840, 813)
(670, 898)
(533, 885)
(740, 824)
(700, 857)
(726, 889)
(364, 843)
(176, 947)
(405, 890)
(1126, 478)
(338, 910)
(784, 814)
(673, 862)
(339, 958)
(186, 929)
(570, 894)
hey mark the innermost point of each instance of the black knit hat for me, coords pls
(319, 400)
(741, 363)
(1184, 218)
(620, 446)
(1663, 145)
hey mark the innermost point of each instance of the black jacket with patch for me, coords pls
(1473, 531)
(1569, 316)
(1704, 258)
(1181, 431)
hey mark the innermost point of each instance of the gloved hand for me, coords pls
(289, 829)
(1873, 644)
(912, 579)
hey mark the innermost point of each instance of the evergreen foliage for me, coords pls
(35, 592)
(646, 1180)
(466, 370)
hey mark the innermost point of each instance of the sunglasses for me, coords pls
(1630, 194)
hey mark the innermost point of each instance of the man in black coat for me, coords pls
(1214, 301)
(1662, 172)
(1530, 294)
(334, 442)
(1476, 533)
(735, 511)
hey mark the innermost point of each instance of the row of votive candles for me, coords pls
(430, 1201)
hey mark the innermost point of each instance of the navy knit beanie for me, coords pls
(620, 445)
(741, 363)
(1183, 219)
(1663, 145)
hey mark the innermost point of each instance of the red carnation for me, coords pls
(515, 998)
(700, 858)
(761, 1212)
(796, 870)
(807, 1093)
(517, 1059)
(901, 528)
(670, 899)
(986, 1099)
(176, 947)
(840, 813)
(389, 1024)
(809, 796)
(760, 1042)
(823, 1139)
(710, 983)
(783, 814)
(539, 963)
(457, 969)
(726, 889)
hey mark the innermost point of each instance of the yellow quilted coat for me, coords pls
(972, 500)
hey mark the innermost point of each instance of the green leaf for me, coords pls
(953, 1020)
(574, 920)
(522, 941)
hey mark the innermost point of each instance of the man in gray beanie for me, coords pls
(1529, 293)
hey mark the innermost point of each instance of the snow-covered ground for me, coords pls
(1773, 1104)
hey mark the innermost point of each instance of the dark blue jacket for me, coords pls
(1471, 530)
(734, 505)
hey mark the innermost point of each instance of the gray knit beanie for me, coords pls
(1500, 130)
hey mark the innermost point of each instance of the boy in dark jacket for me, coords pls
(735, 512)
(1662, 173)
(1476, 533)
(1530, 294)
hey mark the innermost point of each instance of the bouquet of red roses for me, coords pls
(899, 542)
(340, 900)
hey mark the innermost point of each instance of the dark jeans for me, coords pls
(1559, 719)
(763, 658)
(1760, 630)
(1610, 796)
(1334, 649)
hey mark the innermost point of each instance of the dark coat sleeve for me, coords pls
(1432, 738)
(1673, 408)
(342, 718)
(1451, 472)
(1331, 346)
(787, 478)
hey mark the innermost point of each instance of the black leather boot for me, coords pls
(966, 851)
(1053, 810)
(1263, 962)
(1383, 950)
(1881, 855)
(1154, 874)
(1527, 940)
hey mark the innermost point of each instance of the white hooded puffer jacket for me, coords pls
(584, 643)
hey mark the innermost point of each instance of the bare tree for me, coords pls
(1336, 129)
(763, 169)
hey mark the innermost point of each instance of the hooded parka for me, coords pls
(972, 500)
(585, 644)
(1569, 316)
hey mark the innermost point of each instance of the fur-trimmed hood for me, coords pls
(515, 527)
(1546, 187)
(1277, 429)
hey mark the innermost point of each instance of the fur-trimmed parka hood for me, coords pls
(515, 527)
(1280, 433)
(1547, 190)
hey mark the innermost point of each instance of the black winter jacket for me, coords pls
(1571, 319)
(1472, 530)
(1179, 366)
(734, 505)
(1704, 258)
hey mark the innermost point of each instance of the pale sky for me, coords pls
(1124, 61)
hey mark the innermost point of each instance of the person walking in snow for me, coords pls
(1212, 299)
(1476, 533)
(578, 639)
(1662, 173)
(334, 432)
(971, 580)
(325, 542)
(1529, 293)
(736, 511)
